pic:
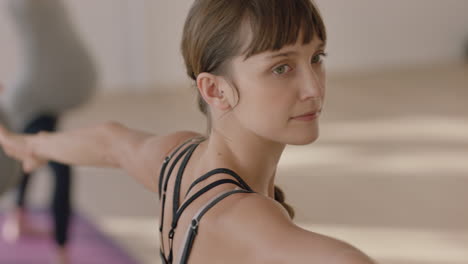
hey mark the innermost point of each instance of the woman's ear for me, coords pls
(213, 91)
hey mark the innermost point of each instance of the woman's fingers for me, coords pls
(12, 144)
(4, 139)
(3, 133)
(15, 146)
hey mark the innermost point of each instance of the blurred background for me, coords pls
(389, 172)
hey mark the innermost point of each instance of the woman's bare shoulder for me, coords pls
(149, 155)
(261, 224)
(165, 144)
(160, 146)
(171, 141)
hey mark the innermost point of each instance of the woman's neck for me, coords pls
(253, 158)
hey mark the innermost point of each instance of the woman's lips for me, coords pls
(307, 117)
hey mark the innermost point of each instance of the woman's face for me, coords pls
(276, 87)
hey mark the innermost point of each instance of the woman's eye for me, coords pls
(281, 69)
(317, 58)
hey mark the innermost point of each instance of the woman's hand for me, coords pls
(18, 147)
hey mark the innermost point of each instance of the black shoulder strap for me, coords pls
(193, 229)
(176, 216)
(216, 171)
(162, 174)
(192, 198)
(178, 181)
(163, 257)
(163, 203)
(177, 211)
(166, 161)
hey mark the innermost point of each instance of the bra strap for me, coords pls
(192, 231)
(216, 171)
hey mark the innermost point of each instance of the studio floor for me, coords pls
(389, 173)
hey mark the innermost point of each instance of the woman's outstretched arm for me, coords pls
(110, 145)
(90, 146)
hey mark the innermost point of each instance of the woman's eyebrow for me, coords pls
(282, 54)
(322, 45)
(289, 53)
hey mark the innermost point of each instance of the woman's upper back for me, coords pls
(190, 207)
(234, 224)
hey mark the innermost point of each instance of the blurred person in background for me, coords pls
(56, 73)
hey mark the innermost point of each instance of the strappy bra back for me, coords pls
(186, 150)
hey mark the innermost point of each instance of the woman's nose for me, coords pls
(312, 85)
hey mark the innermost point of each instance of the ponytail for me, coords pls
(279, 197)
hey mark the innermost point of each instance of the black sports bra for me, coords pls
(186, 153)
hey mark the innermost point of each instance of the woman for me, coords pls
(258, 71)
(56, 74)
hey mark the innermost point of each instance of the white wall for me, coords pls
(136, 43)
(369, 34)
(8, 57)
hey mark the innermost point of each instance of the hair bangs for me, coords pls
(278, 23)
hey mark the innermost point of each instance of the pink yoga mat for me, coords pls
(87, 244)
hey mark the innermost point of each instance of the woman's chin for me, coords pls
(304, 139)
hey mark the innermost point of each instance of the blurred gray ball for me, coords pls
(9, 169)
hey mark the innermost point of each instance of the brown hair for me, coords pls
(212, 36)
